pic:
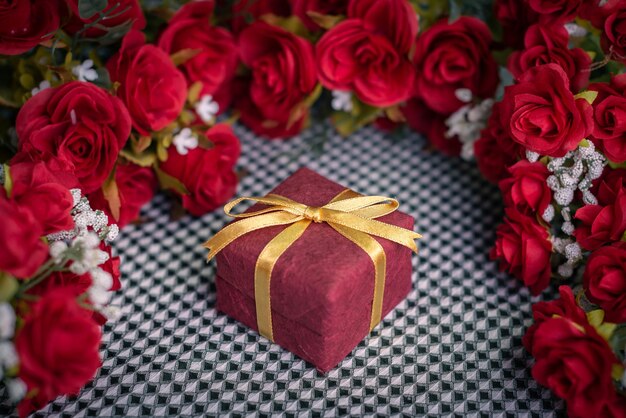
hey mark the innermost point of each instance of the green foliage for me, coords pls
(8, 287)
(88, 8)
(8, 181)
(169, 182)
(482, 9)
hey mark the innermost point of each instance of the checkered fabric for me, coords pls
(453, 347)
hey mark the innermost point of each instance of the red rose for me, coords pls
(80, 124)
(542, 114)
(216, 58)
(526, 189)
(136, 186)
(73, 283)
(560, 11)
(283, 75)
(609, 132)
(601, 224)
(432, 125)
(58, 348)
(613, 38)
(244, 11)
(452, 56)
(206, 173)
(605, 280)
(26, 23)
(120, 13)
(495, 151)
(608, 186)
(301, 8)
(523, 249)
(576, 364)
(548, 44)
(565, 307)
(150, 85)
(598, 11)
(515, 17)
(23, 251)
(35, 187)
(367, 54)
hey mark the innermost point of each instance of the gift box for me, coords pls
(322, 286)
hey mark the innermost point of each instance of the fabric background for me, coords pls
(452, 347)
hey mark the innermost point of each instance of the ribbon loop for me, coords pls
(348, 213)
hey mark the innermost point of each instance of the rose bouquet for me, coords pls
(107, 101)
(95, 120)
(555, 144)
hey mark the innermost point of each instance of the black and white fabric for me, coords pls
(452, 347)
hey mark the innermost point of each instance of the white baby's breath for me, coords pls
(184, 141)
(7, 321)
(85, 71)
(342, 101)
(207, 108)
(45, 84)
(467, 123)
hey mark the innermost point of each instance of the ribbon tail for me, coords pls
(393, 233)
(376, 252)
(263, 273)
(242, 227)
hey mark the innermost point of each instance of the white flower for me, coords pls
(207, 109)
(464, 95)
(548, 214)
(85, 71)
(574, 30)
(113, 232)
(184, 141)
(467, 123)
(8, 355)
(76, 195)
(7, 321)
(573, 252)
(342, 100)
(111, 312)
(101, 278)
(566, 270)
(57, 250)
(16, 389)
(532, 156)
(567, 228)
(42, 86)
(98, 296)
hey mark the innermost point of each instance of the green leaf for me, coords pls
(325, 21)
(596, 319)
(170, 182)
(88, 8)
(114, 33)
(184, 55)
(8, 286)
(111, 194)
(8, 181)
(145, 159)
(588, 95)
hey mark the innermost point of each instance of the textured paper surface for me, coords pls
(322, 286)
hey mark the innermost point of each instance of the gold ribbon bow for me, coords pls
(349, 213)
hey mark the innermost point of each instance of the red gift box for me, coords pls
(322, 286)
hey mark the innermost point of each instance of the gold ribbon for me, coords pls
(349, 213)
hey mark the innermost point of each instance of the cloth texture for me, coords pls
(452, 347)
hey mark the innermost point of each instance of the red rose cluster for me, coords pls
(94, 140)
(555, 146)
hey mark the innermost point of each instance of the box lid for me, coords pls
(323, 276)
